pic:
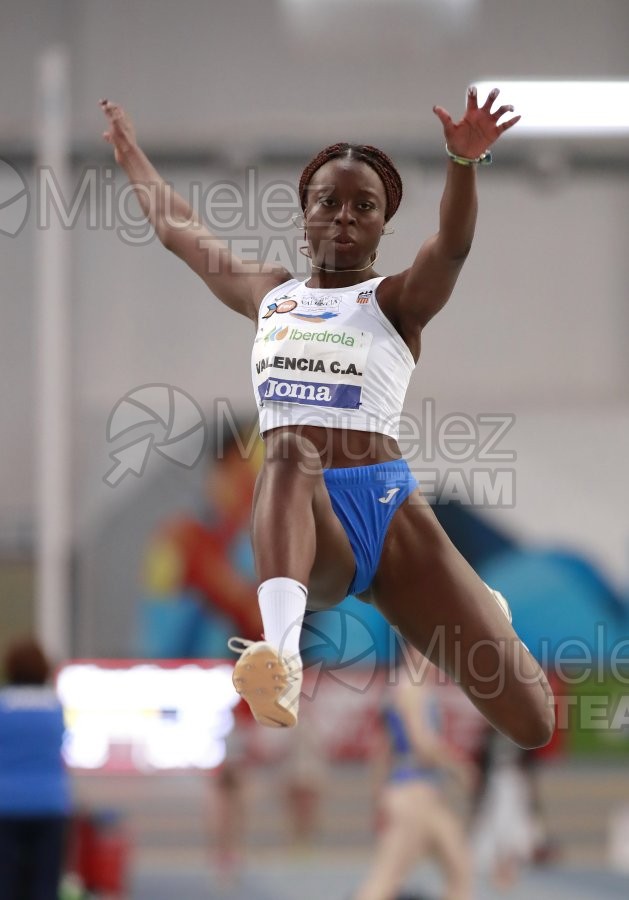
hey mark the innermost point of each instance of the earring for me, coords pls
(305, 251)
(388, 231)
(298, 220)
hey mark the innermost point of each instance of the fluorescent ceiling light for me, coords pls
(565, 107)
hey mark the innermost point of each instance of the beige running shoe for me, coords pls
(501, 602)
(270, 683)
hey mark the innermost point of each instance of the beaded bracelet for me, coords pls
(485, 159)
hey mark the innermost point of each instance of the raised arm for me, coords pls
(238, 284)
(414, 296)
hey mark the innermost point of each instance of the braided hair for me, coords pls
(376, 159)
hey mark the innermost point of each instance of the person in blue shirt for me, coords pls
(35, 798)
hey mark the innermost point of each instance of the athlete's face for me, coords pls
(345, 209)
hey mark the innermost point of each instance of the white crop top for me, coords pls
(330, 358)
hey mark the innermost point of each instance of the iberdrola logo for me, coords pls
(322, 337)
(296, 334)
(278, 334)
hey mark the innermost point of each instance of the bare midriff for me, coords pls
(340, 448)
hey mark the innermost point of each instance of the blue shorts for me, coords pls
(365, 498)
(415, 773)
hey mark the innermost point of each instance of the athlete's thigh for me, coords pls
(427, 590)
(334, 564)
(410, 804)
(403, 837)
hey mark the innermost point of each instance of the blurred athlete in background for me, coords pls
(416, 820)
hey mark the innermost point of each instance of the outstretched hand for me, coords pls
(121, 134)
(479, 127)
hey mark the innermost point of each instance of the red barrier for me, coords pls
(100, 852)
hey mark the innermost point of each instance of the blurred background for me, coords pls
(123, 535)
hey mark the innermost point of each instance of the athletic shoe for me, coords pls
(504, 606)
(270, 683)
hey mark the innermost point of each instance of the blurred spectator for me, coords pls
(415, 819)
(228, 814)
(509, 830)
(304, 774)
(295, 759)
(34, 786)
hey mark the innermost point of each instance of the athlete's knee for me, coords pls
(536, 728)
(540, 718)
(545, 726)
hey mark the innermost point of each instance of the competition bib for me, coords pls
(311, 360)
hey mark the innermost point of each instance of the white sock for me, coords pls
(282, 605)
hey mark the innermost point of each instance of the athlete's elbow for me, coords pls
(164, 236)
(456, 244)
(458, 254)
(170, 237)
(172, 230)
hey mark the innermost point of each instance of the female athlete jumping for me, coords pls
(336, 509)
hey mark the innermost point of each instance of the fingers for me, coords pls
(490, 99)
(501, 111)
(505, 108)
(508, 124)
(472, 100)
(443, 116)
(110, 109)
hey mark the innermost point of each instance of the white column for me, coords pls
(53, 347)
